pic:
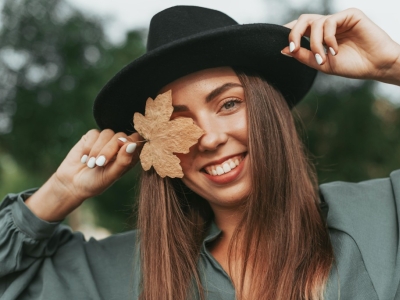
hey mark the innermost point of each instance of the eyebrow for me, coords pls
(213, 94)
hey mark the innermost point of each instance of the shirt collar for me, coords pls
(213, 233)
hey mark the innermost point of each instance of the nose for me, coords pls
(212, 139)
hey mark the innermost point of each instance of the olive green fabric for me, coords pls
(41, 260)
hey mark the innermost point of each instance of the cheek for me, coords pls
(186, 164)
(187, 158)
(243, 131)
(186, 161)
(239, 128)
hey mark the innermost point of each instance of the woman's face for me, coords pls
(216, 167)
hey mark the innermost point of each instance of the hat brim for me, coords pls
(254, 46)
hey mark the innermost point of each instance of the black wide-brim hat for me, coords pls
(186, 39)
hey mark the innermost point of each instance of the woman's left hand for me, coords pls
(356, 47)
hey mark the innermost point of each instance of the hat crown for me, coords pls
(187, 39)
(179, 22)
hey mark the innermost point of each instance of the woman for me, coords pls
(253, 230)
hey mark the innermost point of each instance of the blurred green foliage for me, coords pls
(54, 60)
(352, 134)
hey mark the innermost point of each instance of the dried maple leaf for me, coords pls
(164, 136)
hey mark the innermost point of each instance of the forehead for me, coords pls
(201, 83)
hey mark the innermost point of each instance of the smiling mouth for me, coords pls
(225, 167)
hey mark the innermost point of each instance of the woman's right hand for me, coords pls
(358, 48)
(92, 165)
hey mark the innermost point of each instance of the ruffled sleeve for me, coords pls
(42, 260)
(24, 237)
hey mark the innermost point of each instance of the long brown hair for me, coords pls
(285, 251)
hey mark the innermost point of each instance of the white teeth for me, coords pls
(226, 167)
(232, 164)
(220, 171)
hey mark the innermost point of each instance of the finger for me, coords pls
(337, 23)
(317, 40)
(110, 149)
(290, 24)
(126, 158)
(307, 57)
(102, 139)
(88, 140)
(300, 29)
(330, 41)
(347, 19)
(139, 141)
(286, 51)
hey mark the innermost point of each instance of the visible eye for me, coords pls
(230, 104)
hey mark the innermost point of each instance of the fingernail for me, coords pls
(325, 50)
(318, 58)
(332, 51)
(124, 140)
(84, 159)
(291, 46)
(286, 54)
(100, 161)
(91, 162)
(131, 148)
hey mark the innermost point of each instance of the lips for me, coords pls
(225, 166)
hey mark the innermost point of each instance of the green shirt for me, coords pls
(41, 260)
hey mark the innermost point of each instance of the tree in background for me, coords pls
(352, 134)
(54, 60)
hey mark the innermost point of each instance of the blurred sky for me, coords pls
(126, 14)
(123, 15)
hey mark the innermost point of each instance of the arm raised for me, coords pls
(356, 47)
(92, 165)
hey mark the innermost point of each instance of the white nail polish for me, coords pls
(332, 51)
(318, 58)
(84, 159)
(291, 46)
(286, 54)
(122, 139)
(91, 163)
(131, 148)
(100, 161)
